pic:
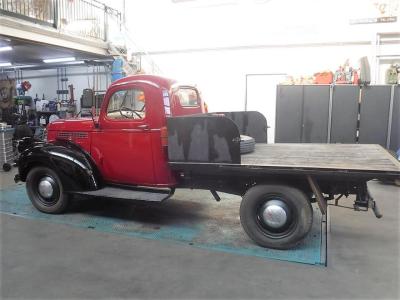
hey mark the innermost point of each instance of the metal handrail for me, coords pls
(28, 10)
(87, 18)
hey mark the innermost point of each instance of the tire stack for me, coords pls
(247, 144)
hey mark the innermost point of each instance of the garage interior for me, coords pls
(325, 77)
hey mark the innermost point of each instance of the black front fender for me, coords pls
(74, 166)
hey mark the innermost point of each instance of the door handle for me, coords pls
(144, 127)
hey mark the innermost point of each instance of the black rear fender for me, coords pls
(74, 165)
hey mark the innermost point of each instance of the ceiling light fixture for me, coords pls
(56, 60)
(5, 48)
(23, 66)
(76, 62)
(5, 64)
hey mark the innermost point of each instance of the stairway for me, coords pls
(119, 52)
(123, 46)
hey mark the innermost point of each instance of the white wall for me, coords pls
(221, 74)
(165, 25)
(261, 94)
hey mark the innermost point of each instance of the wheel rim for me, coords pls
(274, 213)
(47, 190)
(275, 217)
(45, 187)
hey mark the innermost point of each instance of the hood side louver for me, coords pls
(67, 135)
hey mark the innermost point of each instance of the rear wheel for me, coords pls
(45, 191)
(276, 216)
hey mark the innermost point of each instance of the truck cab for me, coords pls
(127, 139)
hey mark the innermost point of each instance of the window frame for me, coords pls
(188, 88)
(126, 119)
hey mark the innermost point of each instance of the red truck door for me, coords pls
(122, 146)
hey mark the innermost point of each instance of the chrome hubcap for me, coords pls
(274, 213)
(45, 187)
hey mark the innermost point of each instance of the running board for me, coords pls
(129, 194)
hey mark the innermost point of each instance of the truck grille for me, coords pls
(66, 135)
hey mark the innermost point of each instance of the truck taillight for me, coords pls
(164, 136)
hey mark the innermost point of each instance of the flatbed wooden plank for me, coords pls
(359, 157)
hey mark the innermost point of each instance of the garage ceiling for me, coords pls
(30, 53)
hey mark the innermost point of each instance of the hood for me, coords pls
(76, 124)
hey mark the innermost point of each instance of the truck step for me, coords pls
(129, 194)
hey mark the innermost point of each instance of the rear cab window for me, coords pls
(188, 97)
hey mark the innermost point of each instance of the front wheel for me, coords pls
(276, 216)
(45, 191)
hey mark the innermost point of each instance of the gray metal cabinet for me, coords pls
(315, 114)
(338, 114)
(302, 114)
(289, 114)
(374, 114)
(394, 142)
(344, 114)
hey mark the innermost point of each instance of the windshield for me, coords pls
(127, 104)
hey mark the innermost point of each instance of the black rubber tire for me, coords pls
(301, 215)
(6, 167)
(60, 201)
(247, 144)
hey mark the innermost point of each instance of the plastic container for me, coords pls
(323, 78)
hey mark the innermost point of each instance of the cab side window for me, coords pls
(188, 97)
(127, 104)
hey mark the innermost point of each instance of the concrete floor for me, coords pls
(57, 261)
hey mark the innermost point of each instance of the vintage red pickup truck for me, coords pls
(153, 136)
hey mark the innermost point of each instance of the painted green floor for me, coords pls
(200, 222)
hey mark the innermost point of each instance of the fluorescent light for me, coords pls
(5, 48)
(23, 66)
(56, 60)
(5, 64)
(77, 62)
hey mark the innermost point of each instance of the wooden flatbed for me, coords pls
(364, 160)
(351, 157)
